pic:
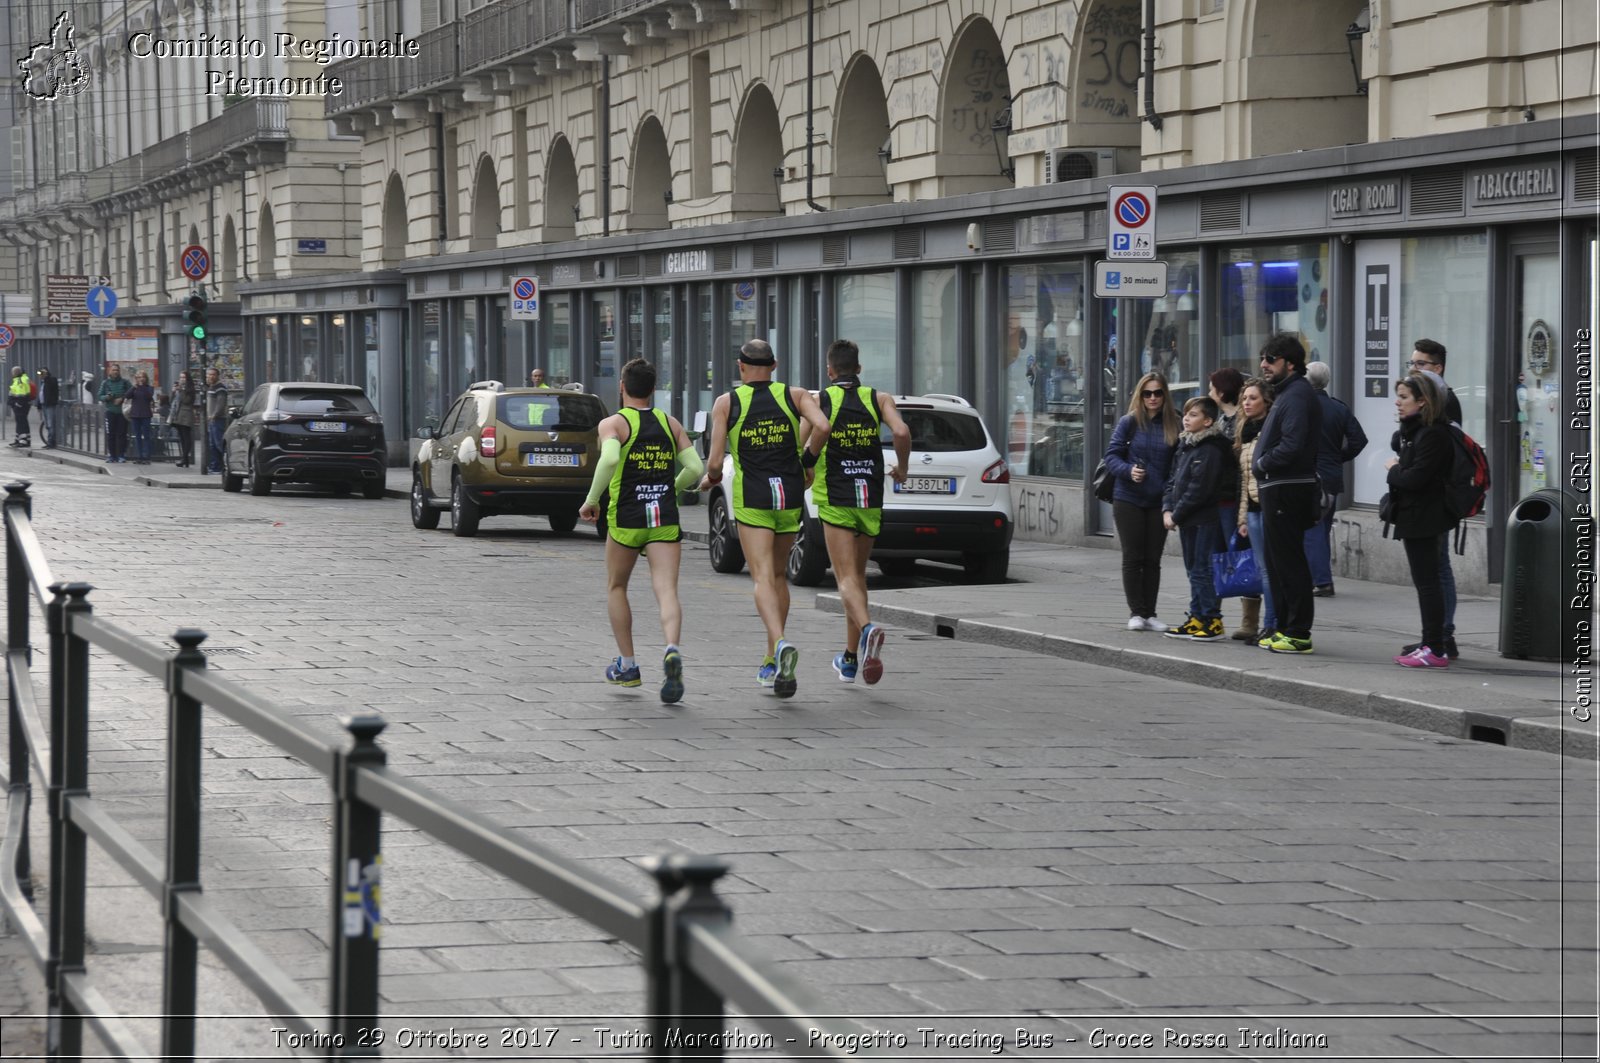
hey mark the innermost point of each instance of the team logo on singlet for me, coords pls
(779, 501)
(863, 497)
(652, 514)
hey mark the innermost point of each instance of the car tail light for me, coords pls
(998, 473)
(488, 443)
(277, 415)
(372, 418)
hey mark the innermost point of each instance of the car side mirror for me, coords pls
(234, 412)
(428, 431)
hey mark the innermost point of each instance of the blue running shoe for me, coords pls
(788, 660)
(767, 674)
(672, 685)
(845, 665)
(620, 676)
(870, 654)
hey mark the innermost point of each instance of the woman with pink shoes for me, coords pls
(1419, 475)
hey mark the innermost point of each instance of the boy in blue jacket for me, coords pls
(1189, 505)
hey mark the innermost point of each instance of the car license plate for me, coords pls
(553, 459)
(926, 485)
(327, 426)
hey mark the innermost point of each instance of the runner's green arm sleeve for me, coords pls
(610, 455)
(692, 468)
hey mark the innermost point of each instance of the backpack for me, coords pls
(1469, 479)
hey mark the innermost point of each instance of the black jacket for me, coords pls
(1452, 406)
(1286, 451)
(1342, 440)
(1199, 474)
(50, 391)
(1418, 483)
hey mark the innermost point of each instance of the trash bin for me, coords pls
(1539, 619)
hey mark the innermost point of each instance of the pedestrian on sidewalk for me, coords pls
(141, 408)
(20, 398)
(759, 423)
(848, 490)
(639, 447)
(1260, 623)
(1429, 356)
(113, 395)
(1223, 387)
(181, 404)
(216, 420)
(1418, 478)
(1139, 458)
(1189, 507)
(1342, 439)
(1286, 476)
(49, 406)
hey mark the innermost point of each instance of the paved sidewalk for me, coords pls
(1067, 602)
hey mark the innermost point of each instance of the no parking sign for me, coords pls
(1131, 223)
(524, 298)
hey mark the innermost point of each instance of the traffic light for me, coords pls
(197, 316)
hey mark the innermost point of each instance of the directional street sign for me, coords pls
(66, 298)
(1131, 223)
(524, 298)
(102, 301)
(195, 262)
(1130, 280)
(7, 337)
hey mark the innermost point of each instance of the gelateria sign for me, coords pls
(698, 261)
(1516, 184)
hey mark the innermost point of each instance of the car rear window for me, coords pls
(321, 403)
(553, 411)
(939, 431)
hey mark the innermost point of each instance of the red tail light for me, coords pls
(998, 473)
(488, 444)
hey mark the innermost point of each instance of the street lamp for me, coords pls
(1354, 35)
(1001, 128)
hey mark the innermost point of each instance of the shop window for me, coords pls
(661, 300)
(337, 336)
(429, 395)
(1267, 289)
(864, 311)
(558, 339)
(935, 344)
(467, 340)
(1043, 371)
(310, 349)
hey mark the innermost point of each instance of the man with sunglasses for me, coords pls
(1285, 466)
(1428, 356)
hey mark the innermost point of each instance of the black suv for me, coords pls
(305, 432)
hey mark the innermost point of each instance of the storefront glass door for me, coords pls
(558, 339)
(661, 352)
(1539, 402)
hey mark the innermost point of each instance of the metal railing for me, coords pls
(694, 962)
(438, 60)
(366, 81)
(250, 121)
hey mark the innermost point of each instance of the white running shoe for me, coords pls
(1152, 624)
(1135, 623)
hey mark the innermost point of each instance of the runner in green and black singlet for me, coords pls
(761, 424)
(644, 506)
(640, 450)
(848, 489)
(764, 439)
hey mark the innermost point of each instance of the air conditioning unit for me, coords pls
(1082, 164)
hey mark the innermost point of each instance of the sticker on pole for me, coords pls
(195, 262)
(7, 336)
(525, 298)
(1131, 223)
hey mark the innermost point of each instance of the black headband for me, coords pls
(747, 360)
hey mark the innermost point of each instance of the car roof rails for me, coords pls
(573, 386)
(957, 399)
(486, 385)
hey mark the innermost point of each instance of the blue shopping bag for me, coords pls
(1234, 572)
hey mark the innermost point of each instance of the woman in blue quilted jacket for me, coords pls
(1139, 459)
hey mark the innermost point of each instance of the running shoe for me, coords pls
(786, 684)
(1281, 643)
(622, 677)
(1267, 635)
(1450, 649)
(1422, 657)
(845, 665)
(1153, 624)
(672, 685)
(1211, 630)
(767, 674)
(870, 653)
(1135, 623)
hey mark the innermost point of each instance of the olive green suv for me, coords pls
(501, 450)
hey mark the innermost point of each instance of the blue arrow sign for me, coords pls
(102, 301)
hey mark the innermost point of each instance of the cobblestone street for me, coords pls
(988, 842)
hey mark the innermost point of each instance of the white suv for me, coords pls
(954, 506)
